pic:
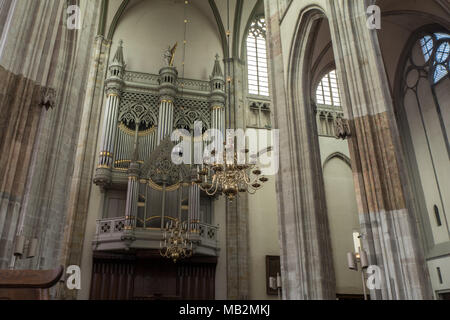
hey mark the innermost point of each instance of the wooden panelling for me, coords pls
(146, 276)
(113, 278)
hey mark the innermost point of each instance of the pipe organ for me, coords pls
(142, 110)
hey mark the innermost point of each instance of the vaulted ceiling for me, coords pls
(216, 11)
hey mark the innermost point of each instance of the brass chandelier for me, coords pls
(230, 177)
(176, 244)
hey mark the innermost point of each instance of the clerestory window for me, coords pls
(258, 78)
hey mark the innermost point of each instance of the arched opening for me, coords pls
(314, 98)
(342, 209)
(415, 51)
(340, 197)
(423, 116)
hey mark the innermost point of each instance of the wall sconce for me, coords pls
(275, 284)
(24, 249)
(358, 257)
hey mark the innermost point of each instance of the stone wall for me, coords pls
(39, 136)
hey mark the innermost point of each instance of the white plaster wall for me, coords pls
(429, 149)
(262, 232)
(328, 146)
(442, 90)
(443, 95)
(149, 27)
(343, 221)
(94, 213)
(444, 265)
(263, 237)
(342, 212)
(247, 10)
(113, 6)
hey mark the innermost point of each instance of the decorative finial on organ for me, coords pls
(117, 66)
(118, 57)
(217, 71)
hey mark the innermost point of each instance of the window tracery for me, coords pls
(327, 92)
(258, 78)
(436, 51)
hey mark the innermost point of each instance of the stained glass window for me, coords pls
(436, 51)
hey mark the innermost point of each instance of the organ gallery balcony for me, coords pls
(113, 234)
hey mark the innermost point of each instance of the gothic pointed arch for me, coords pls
(418, 96)
(306, 209)
(338, 155)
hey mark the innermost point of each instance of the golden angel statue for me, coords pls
(169, 55)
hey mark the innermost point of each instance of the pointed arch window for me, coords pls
(328, 91)
(258, 78)
(436, 51)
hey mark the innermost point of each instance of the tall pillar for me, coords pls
(40, 105)
(388, 226)
(167, 92)
(237, 244)
(306, 267)
(114, 85)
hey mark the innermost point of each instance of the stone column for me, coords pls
(388, 224)
(237, 210)
(40, 120)
(306, 264)
(86, 159)
(167, 91)
(237, 248)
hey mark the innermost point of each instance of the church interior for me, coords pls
(344, 188)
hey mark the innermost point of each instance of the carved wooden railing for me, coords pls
(28, 284)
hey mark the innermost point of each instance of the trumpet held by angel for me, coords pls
(169, 55)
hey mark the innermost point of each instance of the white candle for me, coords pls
(278, 280)
(272, 283)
